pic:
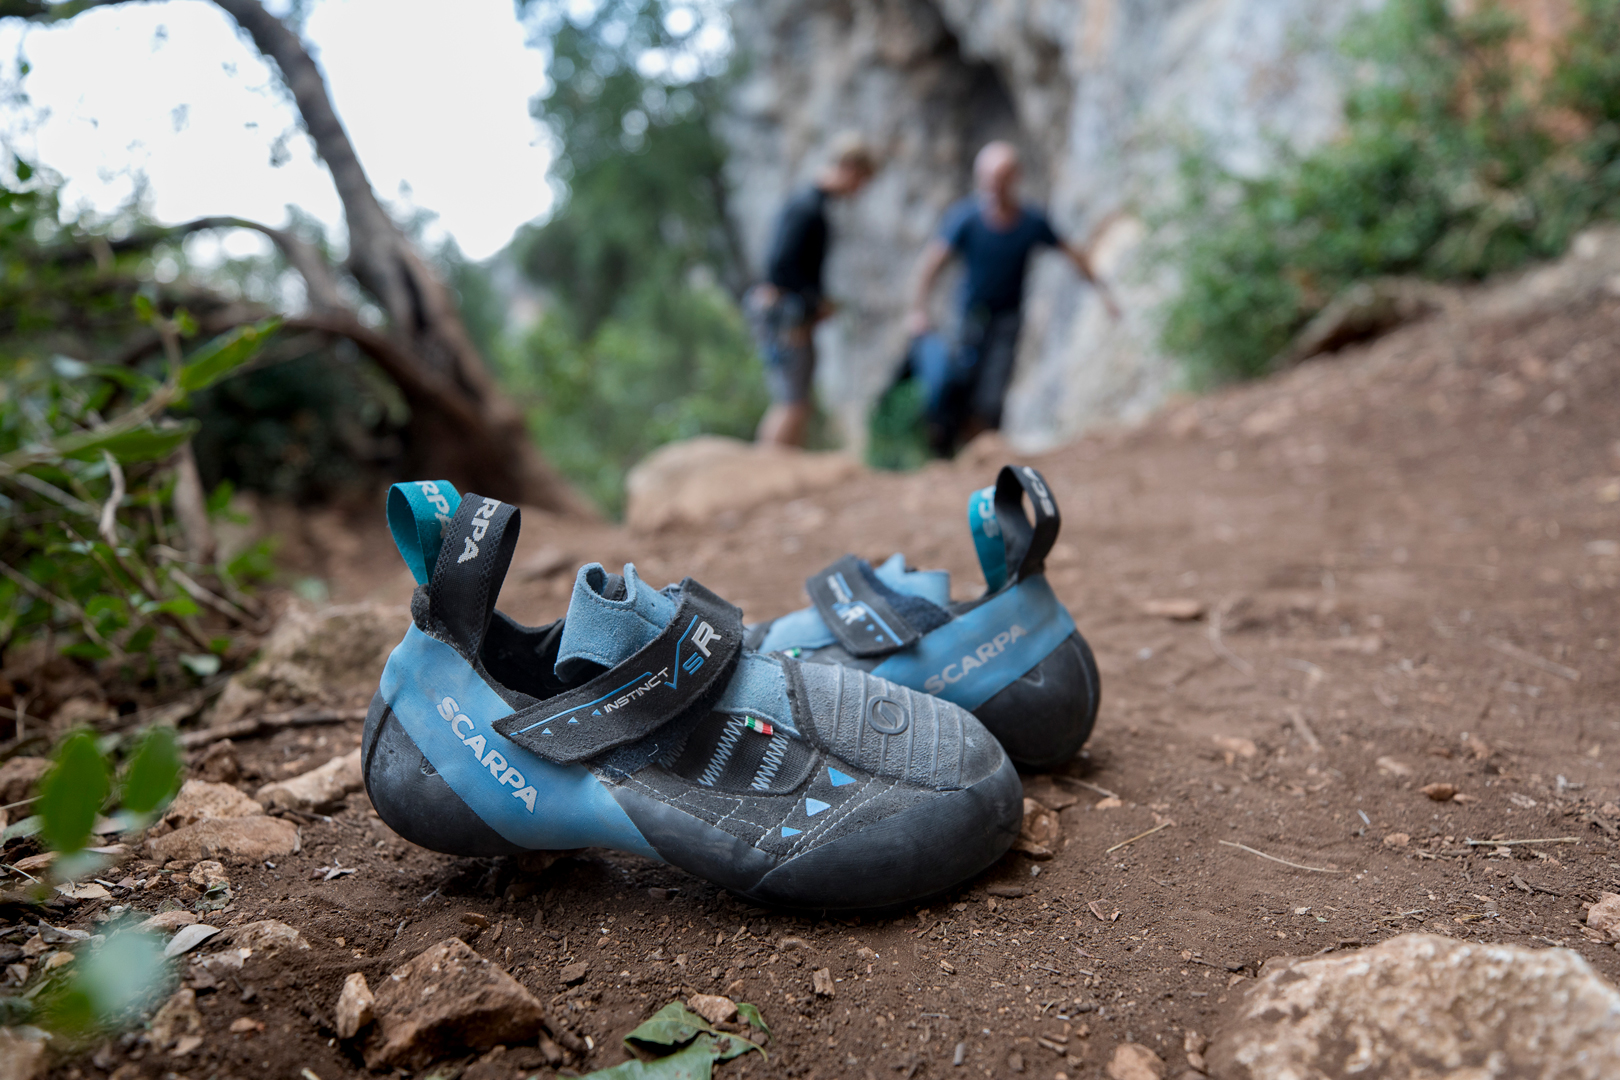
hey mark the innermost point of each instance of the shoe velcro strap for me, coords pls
(1005, 539)
(858, 615)
(474, 555)
(686, 667)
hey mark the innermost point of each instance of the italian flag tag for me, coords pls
(757, 725)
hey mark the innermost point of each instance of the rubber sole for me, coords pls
(920, 852)
(1046, 715)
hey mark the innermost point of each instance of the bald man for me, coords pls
(994, 235)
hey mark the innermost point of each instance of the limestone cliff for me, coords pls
(1096, 92)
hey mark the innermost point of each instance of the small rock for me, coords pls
(177, 1018)
(200, 800)
(1015, 1062)
(1234, 747)
(92, 891)
(1041, 832)
(1007, 892)
(1397, 839)
(21, 1058)
(253, 838)
(445, 999)
(1393, 766)
(188, 937)
(574, 973)
(354, 1006)
(1486, 1010)
(712, 1007)
(1440, 792)
(32, 864)
(1112, 802)
(219, 763)
(208, 873)
(1180, 609)
(319, 789)
(167, 922)
(1604, 916)
(246, 1025)
(268, 936)
(18, 777)
(821, 981)
(1133, 1061)
(473, 918)
(56, 960)
(185, 1044)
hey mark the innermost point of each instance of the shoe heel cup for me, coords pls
(1045, 716)
(413, 799)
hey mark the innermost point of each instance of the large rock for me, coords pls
(321, 787)
(200, 800)
(1425, 1006)
(330, 657)
(693, 481)
(1095, 90)
(447, 999)
(255, 838)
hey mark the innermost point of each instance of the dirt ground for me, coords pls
(1406, 557)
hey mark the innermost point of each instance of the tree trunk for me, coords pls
(492, 452)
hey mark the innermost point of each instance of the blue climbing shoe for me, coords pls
(1012, 657)
(639, 722)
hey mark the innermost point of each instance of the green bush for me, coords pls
(1455, 162)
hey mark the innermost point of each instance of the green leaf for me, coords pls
(154, 771)
(750, 1013)
(28, 826)
(695, 1062)
(225, 354)
(106, 983)
(180, 605)
(143, 308)
(71, 793)
(675, 1024)
(86, 650)
(144, 443)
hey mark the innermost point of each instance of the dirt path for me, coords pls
(1407, 558)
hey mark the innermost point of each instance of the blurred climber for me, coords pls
(994, 234)
(786, 307)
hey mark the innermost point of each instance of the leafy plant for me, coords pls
(682, 1045)
(93, 553)
(1458, 159)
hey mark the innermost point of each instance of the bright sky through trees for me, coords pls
(434, 96)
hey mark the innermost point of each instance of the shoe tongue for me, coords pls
(609, 619)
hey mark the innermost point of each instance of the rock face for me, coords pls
(1096, 91)
(445, 999)
(692, 481)
(1421, 1005)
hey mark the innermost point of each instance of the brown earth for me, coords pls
(1406, 558)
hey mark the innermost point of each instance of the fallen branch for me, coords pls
(1512, 843)
(1139, 836)
(254, 725)
(1285, 862)
(1528, 657)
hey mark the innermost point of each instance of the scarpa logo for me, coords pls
(979, 657)
(480, 526)
(435, 497)
(503, 773)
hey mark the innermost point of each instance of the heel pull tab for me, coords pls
(417, 515)
(472, 564)
(1005, 540)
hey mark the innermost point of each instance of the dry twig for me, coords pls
(1137, 837)
(1512, 843)
(1215, 619)
(1528, 657)
(253, 725)
(1285, 862)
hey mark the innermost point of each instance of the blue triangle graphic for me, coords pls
(573, 719)
(596, 712)
(545, 731)
(838, 779)
(789, 832)
(815, 806)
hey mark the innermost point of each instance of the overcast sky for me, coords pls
(434, 96)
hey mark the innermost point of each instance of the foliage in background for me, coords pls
(642, 341)
(1458, 160)
(897, 436)
(92, 550)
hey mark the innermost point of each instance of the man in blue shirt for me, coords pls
(994, 235)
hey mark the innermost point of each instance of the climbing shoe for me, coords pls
(1013, 656)
(640, 722)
